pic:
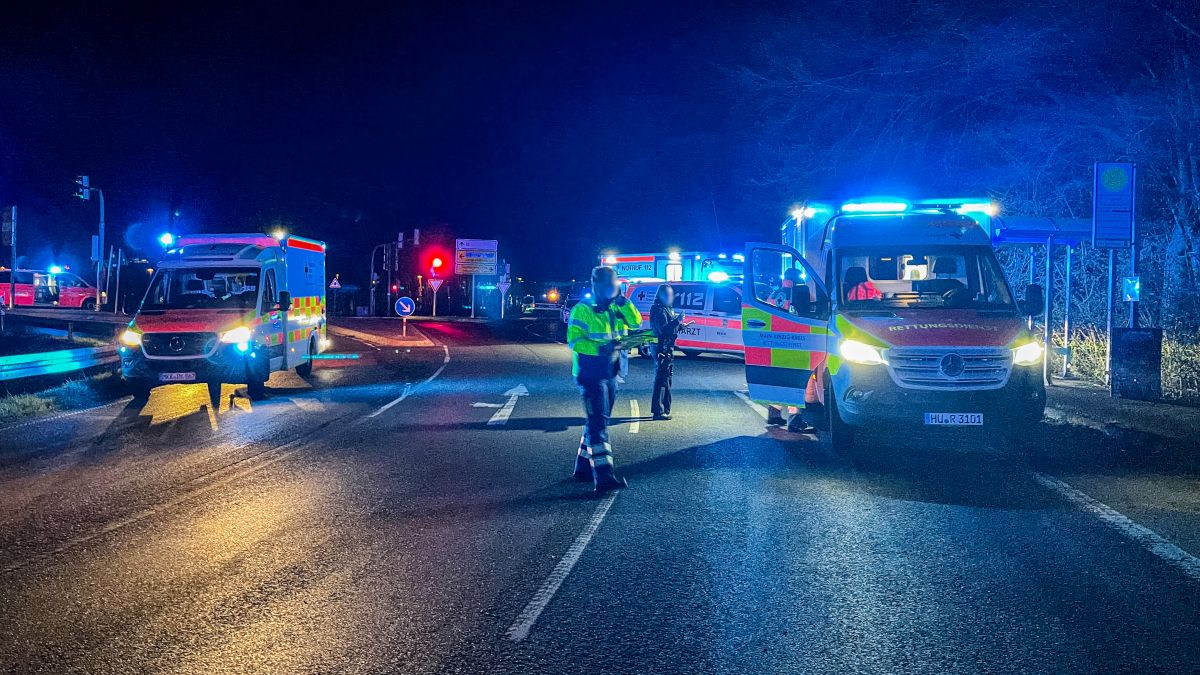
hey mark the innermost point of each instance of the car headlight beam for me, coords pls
(861, 353)
(239, 335)
(131, 338)
(1028, 354)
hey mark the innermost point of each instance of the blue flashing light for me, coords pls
(166, 239)
(721, 256)
(55, 269)
(738, 257)
(243, 347)
(718, 277)
(987, 208)
(874, 207)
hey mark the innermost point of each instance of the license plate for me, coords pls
(954, 419)
(176, 377)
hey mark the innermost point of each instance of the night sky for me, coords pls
(558, 130)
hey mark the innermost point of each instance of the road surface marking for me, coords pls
(52, 418)
(409, 388)
(756, 407)
(502, 415)
(487, 405)
(1149, 539)
(635, 410)
(524, 623)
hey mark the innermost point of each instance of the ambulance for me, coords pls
(228, 308)
(893, 315)
(713, 310)
(675, 265)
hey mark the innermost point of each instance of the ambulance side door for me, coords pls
(726, 313)
(785, 330)
(273, 328)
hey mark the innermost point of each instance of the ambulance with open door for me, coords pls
(228, 308)
(901, 319)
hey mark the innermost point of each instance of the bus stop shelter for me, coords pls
(1033, 232)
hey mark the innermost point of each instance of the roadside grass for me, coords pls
(74, 394)
(1180, 363)
(31, 343)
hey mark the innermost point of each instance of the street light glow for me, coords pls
(166, 239)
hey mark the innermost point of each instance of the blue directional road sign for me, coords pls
(405, 306)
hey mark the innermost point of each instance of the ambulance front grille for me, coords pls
(178, 345)
(950, 368)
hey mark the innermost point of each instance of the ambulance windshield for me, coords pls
(233, 288)
(965, 277)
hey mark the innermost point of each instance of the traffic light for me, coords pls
(84, 192)
(387, 257)
(437, 263)
(395, 287)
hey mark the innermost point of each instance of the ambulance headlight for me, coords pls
(131, 338)
(1028, 354)
(860, 352)
(238, 336)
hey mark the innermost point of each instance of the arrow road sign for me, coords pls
(502, 415)
(405, 306)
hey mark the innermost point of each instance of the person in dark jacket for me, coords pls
(666, 324)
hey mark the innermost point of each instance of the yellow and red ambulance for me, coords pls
(713, 311)
(891, 314)
(228, 308)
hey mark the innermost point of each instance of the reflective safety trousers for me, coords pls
(590, 333)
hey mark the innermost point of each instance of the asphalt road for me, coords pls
(389, 515)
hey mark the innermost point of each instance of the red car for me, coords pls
(62, 289)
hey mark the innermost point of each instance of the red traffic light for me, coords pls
(437, 262)
(395, 287)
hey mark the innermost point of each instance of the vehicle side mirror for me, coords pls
(802, 300)
(1035, 300)
(285, 300)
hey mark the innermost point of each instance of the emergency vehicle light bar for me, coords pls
(875, 207)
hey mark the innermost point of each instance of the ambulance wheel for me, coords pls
(140, 388)
(690, 353)
(256, 379)
(841, 435)
(305, 369)
(214, 392)
(257, 390)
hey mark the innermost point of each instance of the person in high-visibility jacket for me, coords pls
(593, 332)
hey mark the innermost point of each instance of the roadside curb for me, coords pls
(383, 341)
(1115, 443)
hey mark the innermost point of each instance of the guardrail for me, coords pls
(51, 363)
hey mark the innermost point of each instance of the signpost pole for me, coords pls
(12, 275)
(1047, 330)
(472, 296)
(1067, 315)
(117, 297)
(1112, 264)
(404, 327)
